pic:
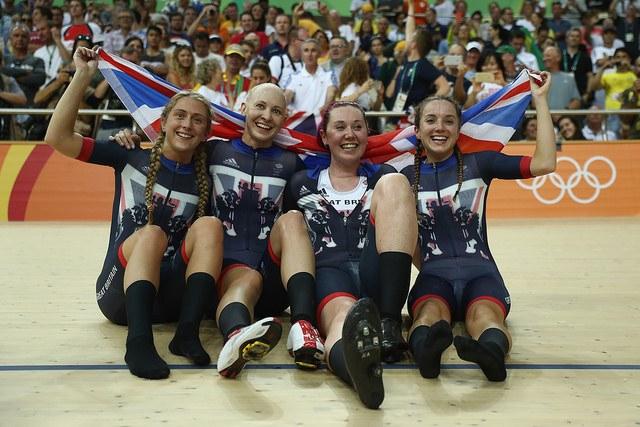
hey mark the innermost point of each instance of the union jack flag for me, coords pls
(488, 125)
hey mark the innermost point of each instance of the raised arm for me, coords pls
(60, 133)
(544, 157)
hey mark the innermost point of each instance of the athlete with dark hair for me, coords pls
(354, 257)
(164, 255)
(459, 279)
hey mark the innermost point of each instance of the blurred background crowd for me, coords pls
(369, 54)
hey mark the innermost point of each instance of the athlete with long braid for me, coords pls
(164, 255)
(459, 279)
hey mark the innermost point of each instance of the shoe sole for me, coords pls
(255, 348)
(361, 337)
(307, 358)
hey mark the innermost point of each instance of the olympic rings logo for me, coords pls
(568, 186)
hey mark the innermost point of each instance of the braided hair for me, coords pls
(420, 151)
(200, 159)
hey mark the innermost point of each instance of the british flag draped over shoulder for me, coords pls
(488, 125)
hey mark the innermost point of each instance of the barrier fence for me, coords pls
(592, 180)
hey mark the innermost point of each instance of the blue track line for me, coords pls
(291, 366)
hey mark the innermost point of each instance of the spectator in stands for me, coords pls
(182, 68)
(249, 25)
(526, 10)
(53, 53)
(280, 35)
(357, 86)
(114, 40)
(208, 21)
(311, 88)
(323, 42)
(576, 60)
(201, 50)
(594, 130)
(573, 10)
(283, 66)
(376, 58)
(260, 73)
(528, 59)
(444, 11)
(629, 27)
(210, 80)
(474, 51)
(615, 83)
(365, 34)
(630, 123)
(177, 35)
(396, 33)
(338, 54)
(249, 52)
(565, 89)
(601, 55)
(388, 71)
(511, 66)
(181, 6)
(557, 23)
(569, 129)
(230, 24)
(497, 37)
(437, 30)
(492, 69)
(79, 26)
(234, 82)
(10, 96)
(508, 20)
(455, 75)
(383, 32)
(259, 17)
(153, 58)
(414, 81)
(28, 70)
(530, 129)
(337, 28)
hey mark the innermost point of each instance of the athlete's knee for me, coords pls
(485, 311)
(393, 186)
(151, 236)
(290, 223)
(207, 227)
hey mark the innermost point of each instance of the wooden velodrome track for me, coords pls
(576, 355)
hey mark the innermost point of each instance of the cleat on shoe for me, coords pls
(394, 345)
(305, 345)
(252, 342)
(363, 353)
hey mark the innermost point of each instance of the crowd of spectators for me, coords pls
(384, 56)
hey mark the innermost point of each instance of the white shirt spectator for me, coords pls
(600, 52)
(282, 68)
(52, 61)
(309, 90)
(213, 96)
(214, 56)
(601, 135)
(114, 40)
(363, 100)
(444, 12)
(529, 60)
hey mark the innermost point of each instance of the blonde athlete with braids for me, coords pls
(164, 254)
(459, 279)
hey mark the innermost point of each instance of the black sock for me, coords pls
(496, 341)
(233, 317)
(337, 363)
(427, 345)
(488, 352)
(198, 297)
(142, 358)
(301, 289)
(395, 274)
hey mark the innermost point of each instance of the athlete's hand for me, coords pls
(86, 59)
(541, 91)
(127, 139)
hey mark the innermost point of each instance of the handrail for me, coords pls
(46, 111)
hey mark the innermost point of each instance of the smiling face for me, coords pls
(186, 126)
(567, 128)
(438, 128)
(265, 111)
(346, 134)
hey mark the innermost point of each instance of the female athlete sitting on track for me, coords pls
(354, 258)
(155, 239)
(459, 279)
